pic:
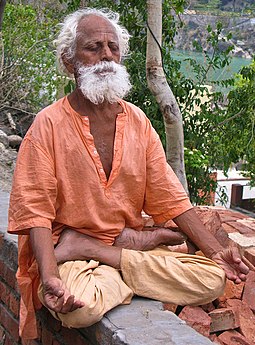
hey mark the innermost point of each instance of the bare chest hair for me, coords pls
(103, 132)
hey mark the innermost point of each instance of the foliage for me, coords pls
(28, 76)
(237, 125)
(215, 133)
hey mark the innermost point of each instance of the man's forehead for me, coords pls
(93, 24)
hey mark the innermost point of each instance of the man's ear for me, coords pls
(68, 63)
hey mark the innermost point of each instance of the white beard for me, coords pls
(106, 81)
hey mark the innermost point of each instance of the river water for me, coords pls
(215, 75)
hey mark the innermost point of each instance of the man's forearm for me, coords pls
(191, 225)
(43, 248)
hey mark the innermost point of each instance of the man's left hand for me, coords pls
(230, 261)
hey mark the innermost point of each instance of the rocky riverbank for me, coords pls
(194, 29)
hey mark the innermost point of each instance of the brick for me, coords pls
(14, 302)
(148, 221)
(30, 342)
(196, 318)
(228, 228)
(232, 290)
(8, 275)
(9, 322)
(249, 222)
(47, 337)
(9, 340)
(214, 339)
(241, 228)
(72, 336)
(210, 218)
(243, 241)
(3, 294)
(2, 334)
(45, 316)
(224, 319)
(208, 307)
(229, 215)
(246, 317)
(250, 255)
(249, 291)
(170, 307)
(55, 342)
(233, 338)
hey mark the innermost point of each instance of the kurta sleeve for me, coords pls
(33, 196)
(165, 198)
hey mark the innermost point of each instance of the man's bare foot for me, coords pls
(147, 239)
(76, 246)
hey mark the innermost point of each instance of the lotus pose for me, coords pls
(89, 166)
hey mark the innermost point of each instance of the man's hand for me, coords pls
(230, 261)
(57, 297)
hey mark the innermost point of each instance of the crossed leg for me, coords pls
(158, 274)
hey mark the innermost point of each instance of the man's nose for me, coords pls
(107, 54)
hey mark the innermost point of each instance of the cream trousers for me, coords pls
(159, 274)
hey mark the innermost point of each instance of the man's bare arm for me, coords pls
(229, 259)
(56, 295)
(191, 225)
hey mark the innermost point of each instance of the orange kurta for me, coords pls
(60, 182)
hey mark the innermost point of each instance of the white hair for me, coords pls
(66, 40)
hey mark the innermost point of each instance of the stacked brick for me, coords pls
(229, 320)
(9, 295)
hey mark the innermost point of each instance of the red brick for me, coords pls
(214, 339)
(55, 342)
(148, 221)
(9, 340)
(170, 224)
(250, 255)
(170, 307)
(228, 228)
(232, 290)
(229, 215)
(208, 307)
(233, 338)
(249, 222)
(246, 317)
(47, 337)
(9, 323)
(241, 228)
(210, 218)
(30, 342)
(249, 291)
(224, 319)
(3, 295)
(72, 336)
(14, 303)
(196, 318)
(8, 275)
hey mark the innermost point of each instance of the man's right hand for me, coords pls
(58, 298)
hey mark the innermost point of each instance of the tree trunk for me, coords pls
(2, 6)
(161, 90)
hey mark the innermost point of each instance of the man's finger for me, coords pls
(68, 305)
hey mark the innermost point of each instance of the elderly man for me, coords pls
(88, 167)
